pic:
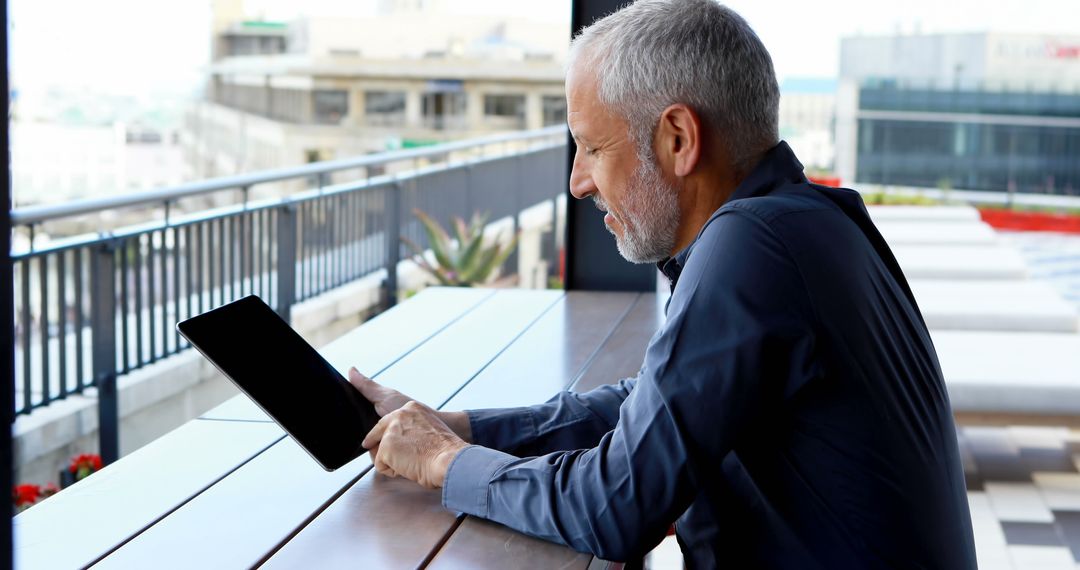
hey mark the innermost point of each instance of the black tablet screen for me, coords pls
(286, 377)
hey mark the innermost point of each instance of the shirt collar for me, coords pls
(778, 166)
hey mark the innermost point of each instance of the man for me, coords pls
(791, 410)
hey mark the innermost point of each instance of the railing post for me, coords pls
(393, 248)
(513, 259)
(103, 328)
(286, 260)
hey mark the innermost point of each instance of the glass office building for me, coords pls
(979, 140)
(980, 111)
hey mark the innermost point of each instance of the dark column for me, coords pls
(7, 308)
(592, 262)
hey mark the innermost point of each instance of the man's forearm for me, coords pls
(459, 422)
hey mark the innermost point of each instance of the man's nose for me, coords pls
(581, 181)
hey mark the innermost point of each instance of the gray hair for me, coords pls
(656, 53)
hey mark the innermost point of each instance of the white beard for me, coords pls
(651, 210)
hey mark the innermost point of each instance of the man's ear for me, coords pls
(678, 139)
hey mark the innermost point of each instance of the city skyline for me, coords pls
(140, 49)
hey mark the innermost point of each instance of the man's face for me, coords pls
(625, 182)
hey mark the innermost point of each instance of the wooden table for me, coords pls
(231, 490)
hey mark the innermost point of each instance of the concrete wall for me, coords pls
(158, 398)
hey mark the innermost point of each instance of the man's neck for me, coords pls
(701, 196)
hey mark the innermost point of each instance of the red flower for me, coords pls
(25, 495)
(85, 464)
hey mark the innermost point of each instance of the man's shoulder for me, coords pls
(786, 199)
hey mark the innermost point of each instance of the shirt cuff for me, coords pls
(502, 428)
(465, 488)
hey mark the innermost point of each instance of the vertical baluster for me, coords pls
(368, 235)
(317, 233)
(203, 263)
(350, 259)
(226, 270)
(339, 241)
(324, 234)
(125, 355)
(176, 288)
(44, 277)
(79, 320)
(61, 320)
(307, 258)
(220, 247)
(272, 265)
(200, 284)
(151, 301)
(251, 252)
(271, 255)
(235, 263)
(343, 240)
(188, 273)
(163, 256)
(256, 253)
(137, 263)
(232, 257)
(28, 388)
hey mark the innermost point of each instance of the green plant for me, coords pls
(462, 260)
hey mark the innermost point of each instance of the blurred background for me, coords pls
(177, 126)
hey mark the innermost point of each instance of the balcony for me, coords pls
(95, 343)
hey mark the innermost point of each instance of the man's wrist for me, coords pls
(458, 422)
(445, 457)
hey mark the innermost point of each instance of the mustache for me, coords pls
(599, 203)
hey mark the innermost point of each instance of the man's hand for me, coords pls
(414, 443)
(387, 400)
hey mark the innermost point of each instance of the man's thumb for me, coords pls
(361, 382)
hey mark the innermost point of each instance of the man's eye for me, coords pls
(590, 151)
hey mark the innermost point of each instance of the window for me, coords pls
(385, 108)
(444, 110)
(330, 106)
(554, 110)
(505, 111)
(504, 106)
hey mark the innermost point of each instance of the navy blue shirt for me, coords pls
(790, 412)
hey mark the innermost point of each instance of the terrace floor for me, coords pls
(1024, 494)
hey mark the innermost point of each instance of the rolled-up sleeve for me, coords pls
(736, 334)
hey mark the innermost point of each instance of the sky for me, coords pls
(142, 47)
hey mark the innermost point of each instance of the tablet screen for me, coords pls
(286, 377)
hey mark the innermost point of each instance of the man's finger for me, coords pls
(361, 382)
(375, 435)
(382, 467)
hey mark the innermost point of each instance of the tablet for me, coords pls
(251, 345)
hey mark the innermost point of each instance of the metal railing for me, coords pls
(93, 308)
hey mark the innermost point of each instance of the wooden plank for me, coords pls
(90, 518)
(593, 316)
(378, 523)
(261, 505)
(394, 332)
(551, 355)
(548, 355)
(478, 543)
(624, 351)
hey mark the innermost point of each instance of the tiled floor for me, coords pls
(1024, 494)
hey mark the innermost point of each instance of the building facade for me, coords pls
(318, 89)
(974, 111)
